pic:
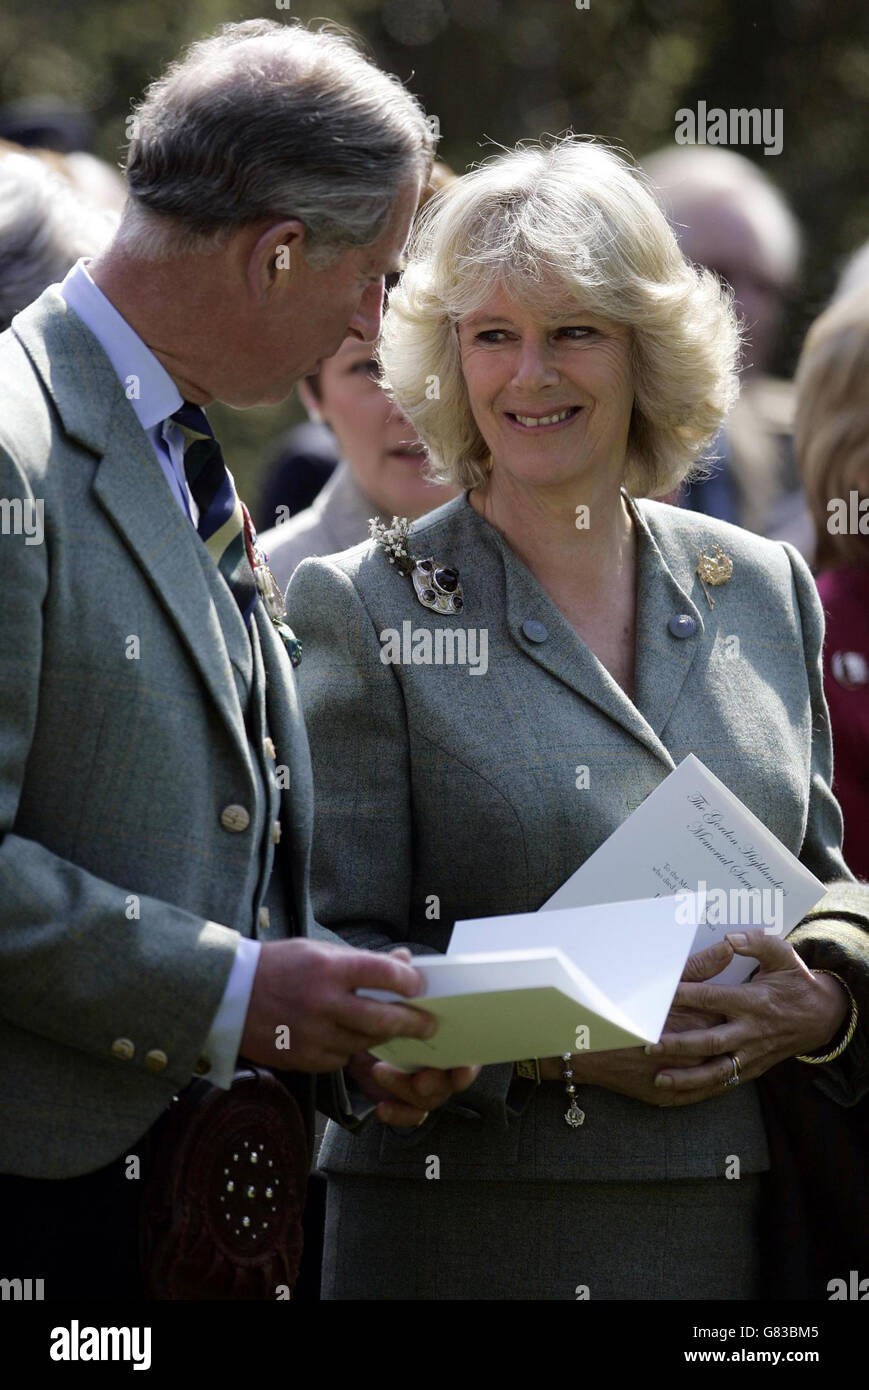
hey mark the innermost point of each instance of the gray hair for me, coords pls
(45, 226)
(270, 120)
(690, 177)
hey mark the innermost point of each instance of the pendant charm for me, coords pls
(574, 1116)
(437, 587)
(714, 569)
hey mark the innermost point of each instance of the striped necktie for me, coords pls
(221, 514)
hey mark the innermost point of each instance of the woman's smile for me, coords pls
(552, 420)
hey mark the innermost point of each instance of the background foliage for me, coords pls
(503, 70)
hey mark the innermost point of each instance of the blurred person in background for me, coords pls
(356, 446)
(832, 447)
(63, 137)
(854, 274)
(45, 226)
(729, 217)
(382, 468)
(298, 466)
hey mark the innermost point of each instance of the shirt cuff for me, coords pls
(220, 1049)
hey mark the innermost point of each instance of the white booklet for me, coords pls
(689, 865)
(692, 836)
(526, 985)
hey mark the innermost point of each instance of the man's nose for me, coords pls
(368, 319)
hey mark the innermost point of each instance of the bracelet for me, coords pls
(850, 1028)
(573, 1115)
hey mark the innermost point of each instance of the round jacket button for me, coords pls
(682, 625)
(534, 630)
(123, 1048)
(203, 1066)
(234, 818)
(155, 1060)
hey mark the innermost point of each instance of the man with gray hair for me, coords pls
(155, 786)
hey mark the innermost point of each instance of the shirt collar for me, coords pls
(156, 396)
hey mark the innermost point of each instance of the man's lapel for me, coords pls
(130, 487)
(662, 659)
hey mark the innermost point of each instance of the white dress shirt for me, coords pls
(154, 397)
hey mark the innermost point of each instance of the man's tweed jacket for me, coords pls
(122, 891)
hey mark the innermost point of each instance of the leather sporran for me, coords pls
(225, 1192)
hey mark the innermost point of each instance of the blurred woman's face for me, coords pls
(380, 445)
(551, 392)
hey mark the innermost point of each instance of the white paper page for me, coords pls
(633, 951)
(691, 830)
(501, 1007)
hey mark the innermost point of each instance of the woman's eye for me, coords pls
(490, 335)
(369, 369)
(577, 332)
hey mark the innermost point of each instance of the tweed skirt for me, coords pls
(418, 1238)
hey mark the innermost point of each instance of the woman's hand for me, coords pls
(783, 1010)
(630, 1070)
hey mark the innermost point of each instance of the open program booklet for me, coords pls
(597, 967)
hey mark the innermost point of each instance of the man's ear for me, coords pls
(277, 251)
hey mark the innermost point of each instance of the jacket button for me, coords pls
(156, 1061)
(123, 1048)
(682, 625)
(276, 832)
(265, 919)
(203, 1066)
(234, 818)
(269, 748)
(534, 630)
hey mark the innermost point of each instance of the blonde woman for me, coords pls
(562, 360)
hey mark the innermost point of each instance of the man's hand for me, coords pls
(303, 990)
(406, 1098)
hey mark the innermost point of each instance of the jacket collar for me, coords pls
(662, 661)
(344, 510)
(129, 485)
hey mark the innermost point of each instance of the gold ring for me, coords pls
(733, 1080)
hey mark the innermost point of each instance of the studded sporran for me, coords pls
(225, 1191)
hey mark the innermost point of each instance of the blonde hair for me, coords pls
(576, 209)
(831, 431)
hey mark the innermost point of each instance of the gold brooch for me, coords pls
(714, 569)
